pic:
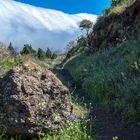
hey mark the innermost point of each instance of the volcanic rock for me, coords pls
(32, 101)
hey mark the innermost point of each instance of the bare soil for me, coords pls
(108, 125)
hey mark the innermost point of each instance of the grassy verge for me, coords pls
(111, 77)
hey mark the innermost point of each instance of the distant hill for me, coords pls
(22, 24)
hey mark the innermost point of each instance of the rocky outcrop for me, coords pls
(32, 101)
(116, 28)
(3, 51)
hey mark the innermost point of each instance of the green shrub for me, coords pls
(75, 48)
(54, 56)
(11, 48)
(8, 63)
(41, 54)
(72, 131)
(48, 53)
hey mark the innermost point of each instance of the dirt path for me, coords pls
(106, 125)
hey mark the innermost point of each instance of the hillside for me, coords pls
(111, 78)
(107, 73)
(116, 28)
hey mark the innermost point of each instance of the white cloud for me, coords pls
(22, 23)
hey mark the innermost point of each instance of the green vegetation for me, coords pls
(54, 56)
(117, 6)
(8, 63)
(41, 54)
(10, 47)
(115, 26)
(75, 129)
(81, 41)
(48, 53)
(76, 47)
(111, 77)
(120, 2)
(86, 25)
(28, 50)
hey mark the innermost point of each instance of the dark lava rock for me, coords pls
(32, 101)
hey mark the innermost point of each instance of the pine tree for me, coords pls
(11, 48)
(54, 56)
(86, 25)
(48, 53)
(41, 54)
(27, 49)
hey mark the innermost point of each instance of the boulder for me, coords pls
(32, 101)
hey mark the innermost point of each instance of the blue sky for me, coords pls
(72, 6)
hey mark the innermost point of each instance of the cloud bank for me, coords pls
(22, 23)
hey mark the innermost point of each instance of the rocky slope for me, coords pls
(116, 28)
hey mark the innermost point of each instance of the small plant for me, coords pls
(8, 63)
(75, 129)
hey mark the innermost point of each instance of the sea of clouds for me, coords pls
(25, 24)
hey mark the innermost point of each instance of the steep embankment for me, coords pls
(116, 28)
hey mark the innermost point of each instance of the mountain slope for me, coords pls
(22, 23)
(116, 28)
